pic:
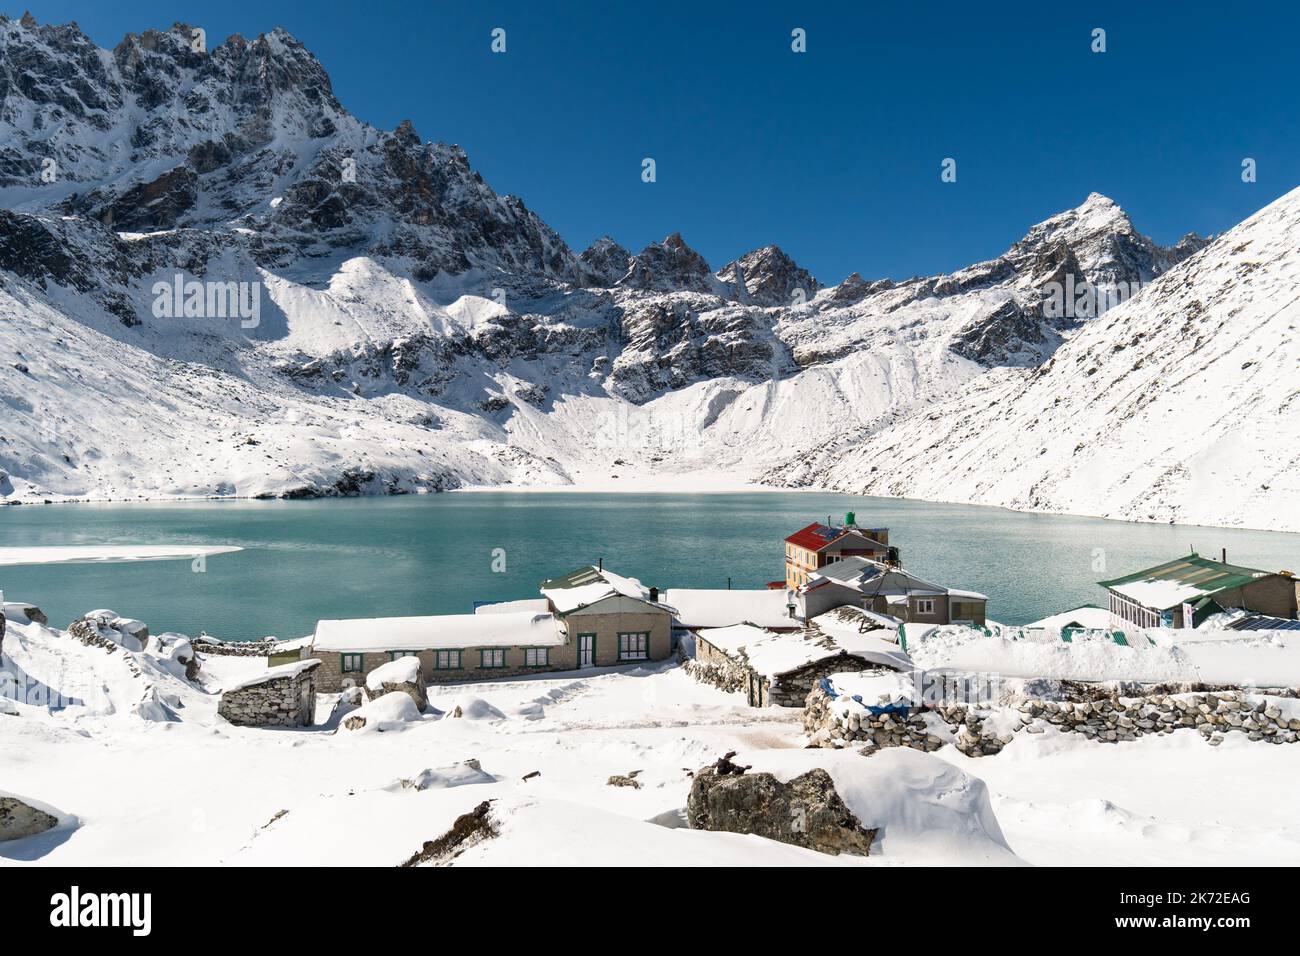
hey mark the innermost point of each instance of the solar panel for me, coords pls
(1264, 624)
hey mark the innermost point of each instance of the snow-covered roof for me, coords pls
(532, 605)
(294, 669)
(518, 629)
(771, 653)
(701, 607)
(1087, 616)
(1174, 582)
(295, 644)
(873, 577)
(588, 585)
(869, 635)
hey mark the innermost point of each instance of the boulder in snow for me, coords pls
(20, 819)
(20, 612)
(404, 675)
(465, 773)
(805, 812)
(389, 712)
(476, 708)
(104, 628)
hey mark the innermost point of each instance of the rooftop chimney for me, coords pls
(1225, 555)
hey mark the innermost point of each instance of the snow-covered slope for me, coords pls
(416, 331)
(96, 731)
(1181, 405)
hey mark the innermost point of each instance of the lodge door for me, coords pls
(586, 650)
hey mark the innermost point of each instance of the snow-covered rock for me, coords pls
(387, 713)
(403, 675)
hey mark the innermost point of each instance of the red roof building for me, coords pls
(819, 544)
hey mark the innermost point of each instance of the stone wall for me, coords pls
(213, 646)
(277, 702)
(712, 666)
(1101, 715)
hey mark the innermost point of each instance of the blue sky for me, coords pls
(833, 154)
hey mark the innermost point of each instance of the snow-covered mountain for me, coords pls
(417, 331)
(1180, 405)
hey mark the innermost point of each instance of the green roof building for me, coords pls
(1185, 591)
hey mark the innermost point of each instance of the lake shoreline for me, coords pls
(629, 490)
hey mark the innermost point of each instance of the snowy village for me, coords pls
(605, 705)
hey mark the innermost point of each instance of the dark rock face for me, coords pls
(670, 342)
(667, 266)
(213, 120)
(18, 819)
(852, 289)
(606, 262)
(767, 276)
(155, 205)
(805, 812)
(1007, 335)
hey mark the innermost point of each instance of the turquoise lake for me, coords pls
(433, 554)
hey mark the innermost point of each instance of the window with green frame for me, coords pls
(446, 661)
(537, 656)
(634, 646)
(492, 657)
(352, 663)
(398, 655)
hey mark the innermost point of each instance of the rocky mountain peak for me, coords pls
(606, 261)
(767, 276)
(668, 266)
(249, 136)
(1096, 242)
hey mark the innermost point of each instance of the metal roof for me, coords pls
(587, 586)
(817, 536)
(1170, 584)
(1260, 622)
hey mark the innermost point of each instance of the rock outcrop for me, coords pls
(669, 266)
(804, 812)
(606, 262)
(768, 277)
(19, 819)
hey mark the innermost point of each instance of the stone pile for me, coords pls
(902, 728)
(106, 629)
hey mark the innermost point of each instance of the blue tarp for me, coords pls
(874, 709)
